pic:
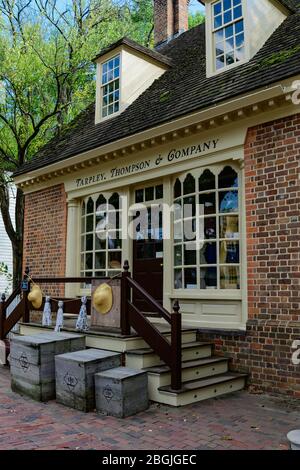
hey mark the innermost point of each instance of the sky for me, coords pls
(196, 6)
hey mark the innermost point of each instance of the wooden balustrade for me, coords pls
(131, 316)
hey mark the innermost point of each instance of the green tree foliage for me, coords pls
(195, 19)
(47, 76)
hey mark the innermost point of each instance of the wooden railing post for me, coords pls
(176, 347)
(125, 296)
(2, 315)
(26, 317)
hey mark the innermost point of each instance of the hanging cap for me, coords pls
(103, 299)
(35, 296)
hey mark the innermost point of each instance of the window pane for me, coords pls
(159, 191)
(190, 278)
(210, 227)
(230, 277)
(149, 194)
(114, 201)
(240, 54)
(177, 232)
(189, 229)
(177, 189)
(90, 206)
(189, 254)
(208, 278)
(229, 44)
(189, 184)
(220, 62)
(100, 274)
(237, 12)
(228, 201)
(217, 8)
(229, 252)
(239, 27)
(227, 4)
(177, 210)
(89, 223)
(230, 58)
(139, 195)
(228, 31)
(89, 261)
(189, 208)
(89, 246)
(219, 37)
(100, 243)
(208, 253)
(100, 260)
(218, 21)
(219, 48)
(178, 279)
(227, 16)
(178, 255)
(114, 260)
(239, 40)
(229, 226)
(113, 241)
(228, 178)
(207, 204)
(207, 181)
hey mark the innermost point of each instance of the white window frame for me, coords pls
(210, 46)
(99, 87)
(83, 251)
(213, 293)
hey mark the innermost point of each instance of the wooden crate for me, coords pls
(75, 383)
(32, 362)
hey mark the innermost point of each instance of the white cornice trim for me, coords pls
(243, 105)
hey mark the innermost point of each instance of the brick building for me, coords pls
(210, 119)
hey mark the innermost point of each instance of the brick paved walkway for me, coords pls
(240, 421)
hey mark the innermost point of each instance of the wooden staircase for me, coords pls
(180, 369)
(203, 374)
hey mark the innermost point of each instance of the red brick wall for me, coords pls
(45, 229)
(272, 186)
(170, 17)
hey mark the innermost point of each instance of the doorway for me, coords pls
(148, 244)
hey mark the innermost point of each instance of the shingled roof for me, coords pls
(186, 87)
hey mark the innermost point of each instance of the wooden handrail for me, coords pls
(157, 307)
(67, 280)
(12, 297)
(131, 316)
(22, 310)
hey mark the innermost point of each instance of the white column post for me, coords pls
(73, 244)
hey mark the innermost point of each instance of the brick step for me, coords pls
(146, 357)
(202, 389)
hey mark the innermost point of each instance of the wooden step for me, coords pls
(146, 357)
(160, 376)
(111, 340)
(202, 389)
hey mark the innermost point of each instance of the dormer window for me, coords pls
(110, 87)
(124, 71)
(228, 33)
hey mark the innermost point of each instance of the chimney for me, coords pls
(170, 19)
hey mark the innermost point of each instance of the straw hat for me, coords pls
(103, 298)
(35, 296)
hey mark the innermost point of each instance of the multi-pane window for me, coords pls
(101, 241)
(206, 230)
(228, 32)
(110, 86)
(148, 224)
